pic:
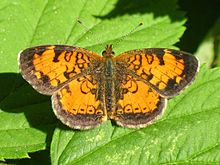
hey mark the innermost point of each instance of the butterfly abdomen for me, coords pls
(109, 84)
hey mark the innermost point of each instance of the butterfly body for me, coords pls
(87, 89)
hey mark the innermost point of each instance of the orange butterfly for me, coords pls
(88, 89)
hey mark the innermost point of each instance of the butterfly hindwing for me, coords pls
(79, 104)
(137, 104)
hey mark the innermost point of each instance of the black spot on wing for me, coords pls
(68, 56)
(40, 50)
(58, 50)
(159, 52)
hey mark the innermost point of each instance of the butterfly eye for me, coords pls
(108, 53)
(104, 53)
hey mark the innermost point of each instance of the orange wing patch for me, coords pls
(79, 104)
(138, 104)
(165, 70)
(47, 68)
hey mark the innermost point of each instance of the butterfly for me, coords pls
(87, 89)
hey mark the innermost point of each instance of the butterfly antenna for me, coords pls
(126, 35)
(117, 42)
(88, 30)
(81, 23)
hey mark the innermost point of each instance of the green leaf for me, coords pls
(26, 125)
(209, 50)
(29, 23)
(26, 118)
(188, 133)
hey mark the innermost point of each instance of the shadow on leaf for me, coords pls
(157, 8)
(17, 96)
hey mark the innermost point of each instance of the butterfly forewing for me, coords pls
(48, 67)
(165, 70)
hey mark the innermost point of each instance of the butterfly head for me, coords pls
(108, 51)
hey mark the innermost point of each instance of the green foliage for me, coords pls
(209, 50)
(188, 132)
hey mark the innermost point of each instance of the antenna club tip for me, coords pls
(79, 21)
(141, 23)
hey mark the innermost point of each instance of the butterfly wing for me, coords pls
(137, 104)
(49, 67)
(165, 70)
(145, 79)
(80, 103)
